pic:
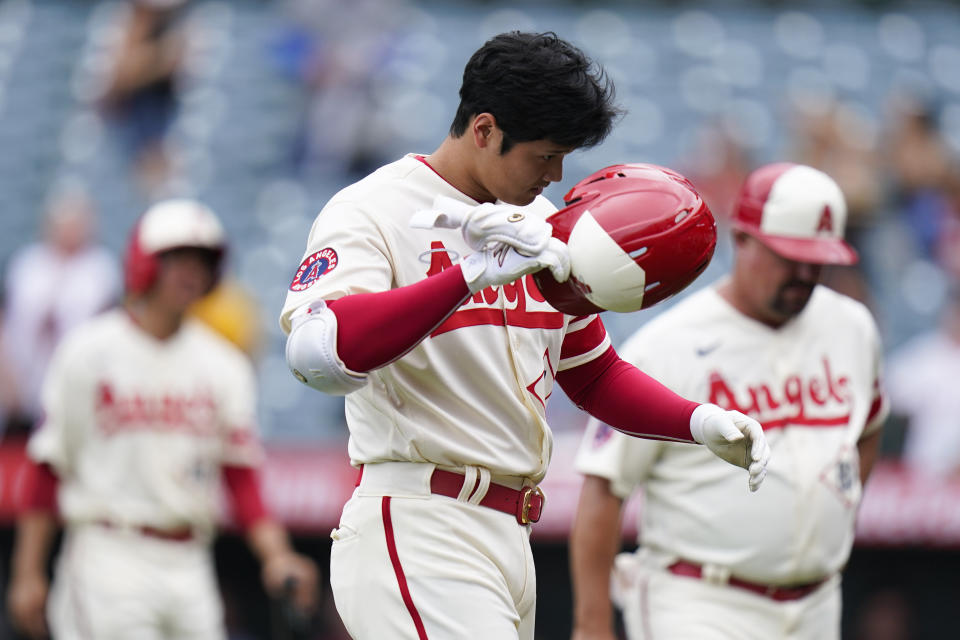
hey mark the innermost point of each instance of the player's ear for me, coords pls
(484, 129)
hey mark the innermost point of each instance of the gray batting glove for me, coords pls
(486, 225)
(734, 437)
(503, 264)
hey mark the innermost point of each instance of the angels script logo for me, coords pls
(820, 400)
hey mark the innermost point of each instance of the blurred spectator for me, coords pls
(51, 286)
(921, 380)
(717, 165)
(918, 162)
(336, 52)
(948, 242)
(841, 141)
(141, 88)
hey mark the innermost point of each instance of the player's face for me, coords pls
(522, 173)
(773, 288)
(185, 276)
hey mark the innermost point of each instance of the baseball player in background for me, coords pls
(146, 413)
(715, 561)
(447, 353)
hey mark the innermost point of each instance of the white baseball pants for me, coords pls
(410, 565)
(659, 605)
(112, 584)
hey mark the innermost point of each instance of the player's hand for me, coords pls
(504, 264)
(487, 225)
(291, 575)
(26, 601)
(733, 436)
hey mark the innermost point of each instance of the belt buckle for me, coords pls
(527, 497)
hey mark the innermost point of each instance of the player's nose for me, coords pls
(554, 169)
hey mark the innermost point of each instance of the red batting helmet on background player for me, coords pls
(797, 211)
(637, 234)
(168, 225)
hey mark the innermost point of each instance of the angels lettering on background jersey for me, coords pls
(821, 399)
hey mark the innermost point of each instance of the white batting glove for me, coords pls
(486, 225)
(734, 437)
(503, 264)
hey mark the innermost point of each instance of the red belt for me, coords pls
(175, 535)
(773, 592)
(525, 504)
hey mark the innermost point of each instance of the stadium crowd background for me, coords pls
(264, 109)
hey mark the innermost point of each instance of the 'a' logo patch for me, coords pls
(312, 267)
(826, 220)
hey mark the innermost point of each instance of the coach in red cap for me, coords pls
(803, 360)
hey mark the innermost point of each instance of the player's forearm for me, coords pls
(35, 532)
(267, 538)
(868, 448)
(594, 543)
(374, 329)
(619, 394)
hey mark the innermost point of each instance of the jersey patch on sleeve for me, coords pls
(602, 435)
(312, 267)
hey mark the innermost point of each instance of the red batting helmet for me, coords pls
(167, 225)
(797, 211)
(637, 234)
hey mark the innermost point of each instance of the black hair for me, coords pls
(538, 87)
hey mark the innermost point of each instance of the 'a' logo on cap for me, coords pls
(826, 220)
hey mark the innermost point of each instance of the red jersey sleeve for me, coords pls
(619, 394)
(243, 491)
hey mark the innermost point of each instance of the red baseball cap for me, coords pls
(797, 211)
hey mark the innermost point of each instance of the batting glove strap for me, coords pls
(734, 437)
(503, 264)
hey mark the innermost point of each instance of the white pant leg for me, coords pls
(663, 606)
(111, 584)
(467, 570)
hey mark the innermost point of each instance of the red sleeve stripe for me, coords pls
(580, 322)
(579, 341)
(583, 358)
(877, 415)
(875, 408)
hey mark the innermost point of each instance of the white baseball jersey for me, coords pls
(921, 380)
(138, 428)
(814, 386)
(47, 295)
(472, 393)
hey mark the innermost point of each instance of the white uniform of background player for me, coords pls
(716, 561)
(139, 431)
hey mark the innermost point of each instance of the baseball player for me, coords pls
(447, 353)
(714, 561)
(146, 414)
